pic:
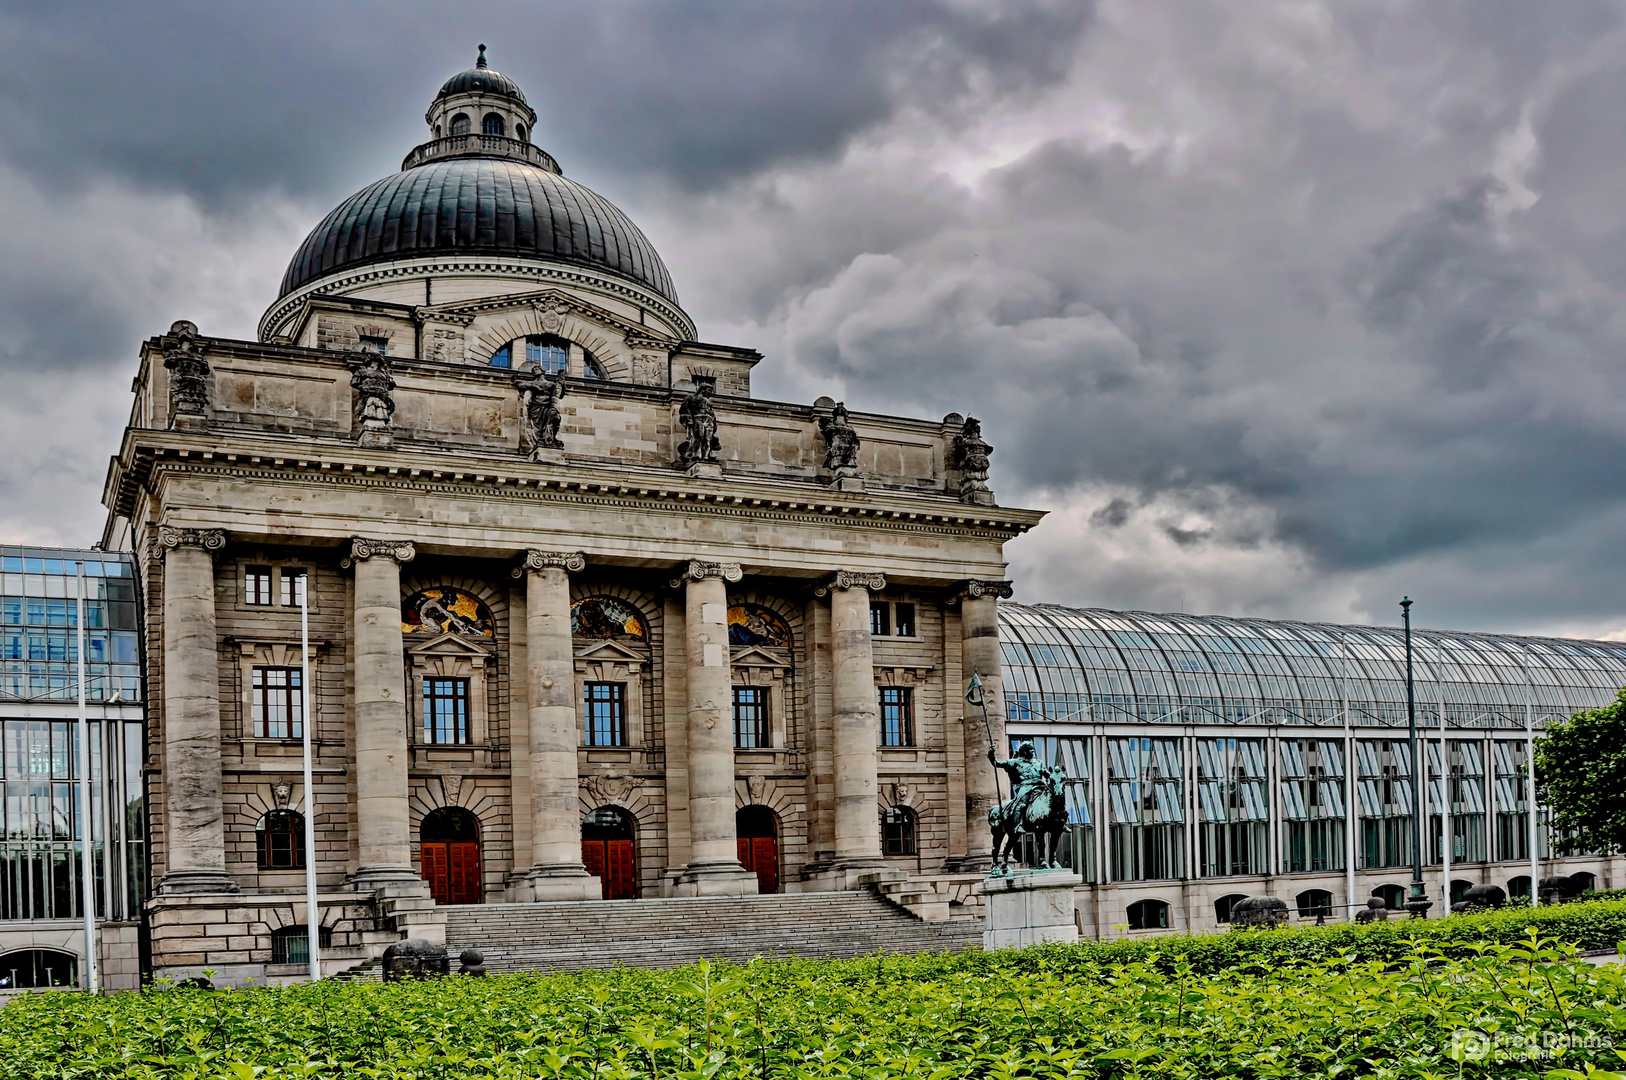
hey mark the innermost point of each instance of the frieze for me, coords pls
(361, 548)
(573, 561)
(208, 539)
(700, 571)
(851, 579)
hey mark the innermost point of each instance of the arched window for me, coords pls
(1223, 906)
(280, 840)
(898, 831)
(35, 969)
(1580, 883)
(1519, 886)
(519, 132)
(503, 357)
(461, 124)
(1393, 896)
(591, 368)
(292, 944)
(1314, 902)
(1148, 915)
(491, 124)
(550, 353)
(1459, 890)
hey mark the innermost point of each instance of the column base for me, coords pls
(403, 880)
(559, 881)
(721, 877)
(197, 883)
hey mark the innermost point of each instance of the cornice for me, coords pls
(561, 273)
(643, 489)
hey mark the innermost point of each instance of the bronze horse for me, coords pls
(1041, 811)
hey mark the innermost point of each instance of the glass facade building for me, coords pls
(1283, 745)
(41, 820)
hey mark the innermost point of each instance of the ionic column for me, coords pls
(556, 833)
(856, 723)
(383, 823)
(194, 821)
(979, 654)
(714, 866)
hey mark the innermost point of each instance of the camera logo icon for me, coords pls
(1469, 1045)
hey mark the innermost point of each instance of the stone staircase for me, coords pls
(681, 930)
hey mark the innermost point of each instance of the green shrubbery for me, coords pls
(1348, 1002)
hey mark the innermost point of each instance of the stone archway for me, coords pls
(610, 852)
(449, 852)
(758, 830)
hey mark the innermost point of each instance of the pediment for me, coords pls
(466, 310)
(756, 656)
(446, 644)
(609, 651)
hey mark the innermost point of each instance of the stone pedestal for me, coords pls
(1027, 908)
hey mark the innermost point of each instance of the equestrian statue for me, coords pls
(1036, 806)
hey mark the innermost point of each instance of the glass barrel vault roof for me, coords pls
(1071, 665)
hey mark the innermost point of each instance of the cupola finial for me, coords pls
(481, 62)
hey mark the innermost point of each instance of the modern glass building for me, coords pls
(41, 865)
(1227, 757)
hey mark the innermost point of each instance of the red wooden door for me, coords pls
(760, 855)
(452, 869)
(613, 863)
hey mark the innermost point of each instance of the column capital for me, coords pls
(850, 579)
(700, 571)
(573, 561)
(976, 589)
(210, 540)
(361, 548)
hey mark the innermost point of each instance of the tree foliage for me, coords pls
(1581, 768)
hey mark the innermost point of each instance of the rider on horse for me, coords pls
(1028, 780)
(1036, 807)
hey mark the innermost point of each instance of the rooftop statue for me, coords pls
(375, 401)
(841, 441)
(539, 395)
(700, 420)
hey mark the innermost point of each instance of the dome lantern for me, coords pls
(481, 103)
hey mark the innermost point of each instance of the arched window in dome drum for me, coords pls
(519, 132)
(551, 354)
(503, 357)
(591, 368)
(491, 124)
(461, 124)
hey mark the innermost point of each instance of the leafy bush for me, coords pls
(998, 1016)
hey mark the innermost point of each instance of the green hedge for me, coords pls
(1587, 925)
(990, 1017)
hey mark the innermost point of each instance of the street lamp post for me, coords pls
(1417, 903)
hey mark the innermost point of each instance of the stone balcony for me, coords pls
(480, 146)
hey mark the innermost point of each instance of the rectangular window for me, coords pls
(604, 707)
(1146, 790)
(751, 717)
(880, 622)
(903, 622)
(278, 703)
(897, 716)
(257, 585)
(446, 711)
(293, 587)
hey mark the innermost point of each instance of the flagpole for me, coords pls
(92, 981)
(307, 700)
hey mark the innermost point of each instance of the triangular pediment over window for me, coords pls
(448, 645)
(756, 656)
(611, 652)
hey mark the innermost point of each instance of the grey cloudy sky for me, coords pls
(1283, 309)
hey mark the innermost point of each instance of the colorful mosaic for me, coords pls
(607, 618)
(446, 611)
(749, 624)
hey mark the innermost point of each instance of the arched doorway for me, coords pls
(758, 830)
(609, 852)
(450, 844)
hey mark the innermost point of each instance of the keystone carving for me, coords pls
(375, 401)
(189, 373)
(207, 539)
(540, 415)
(361, 548)
(699, 571)
(841, 442)
(281, 792)
(851, 579)
(971, 457)
(551, 315)
(699, 419)
(975, 589)
(573, 561)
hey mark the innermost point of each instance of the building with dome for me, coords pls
(591, 622)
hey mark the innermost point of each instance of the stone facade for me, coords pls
(442, 552)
